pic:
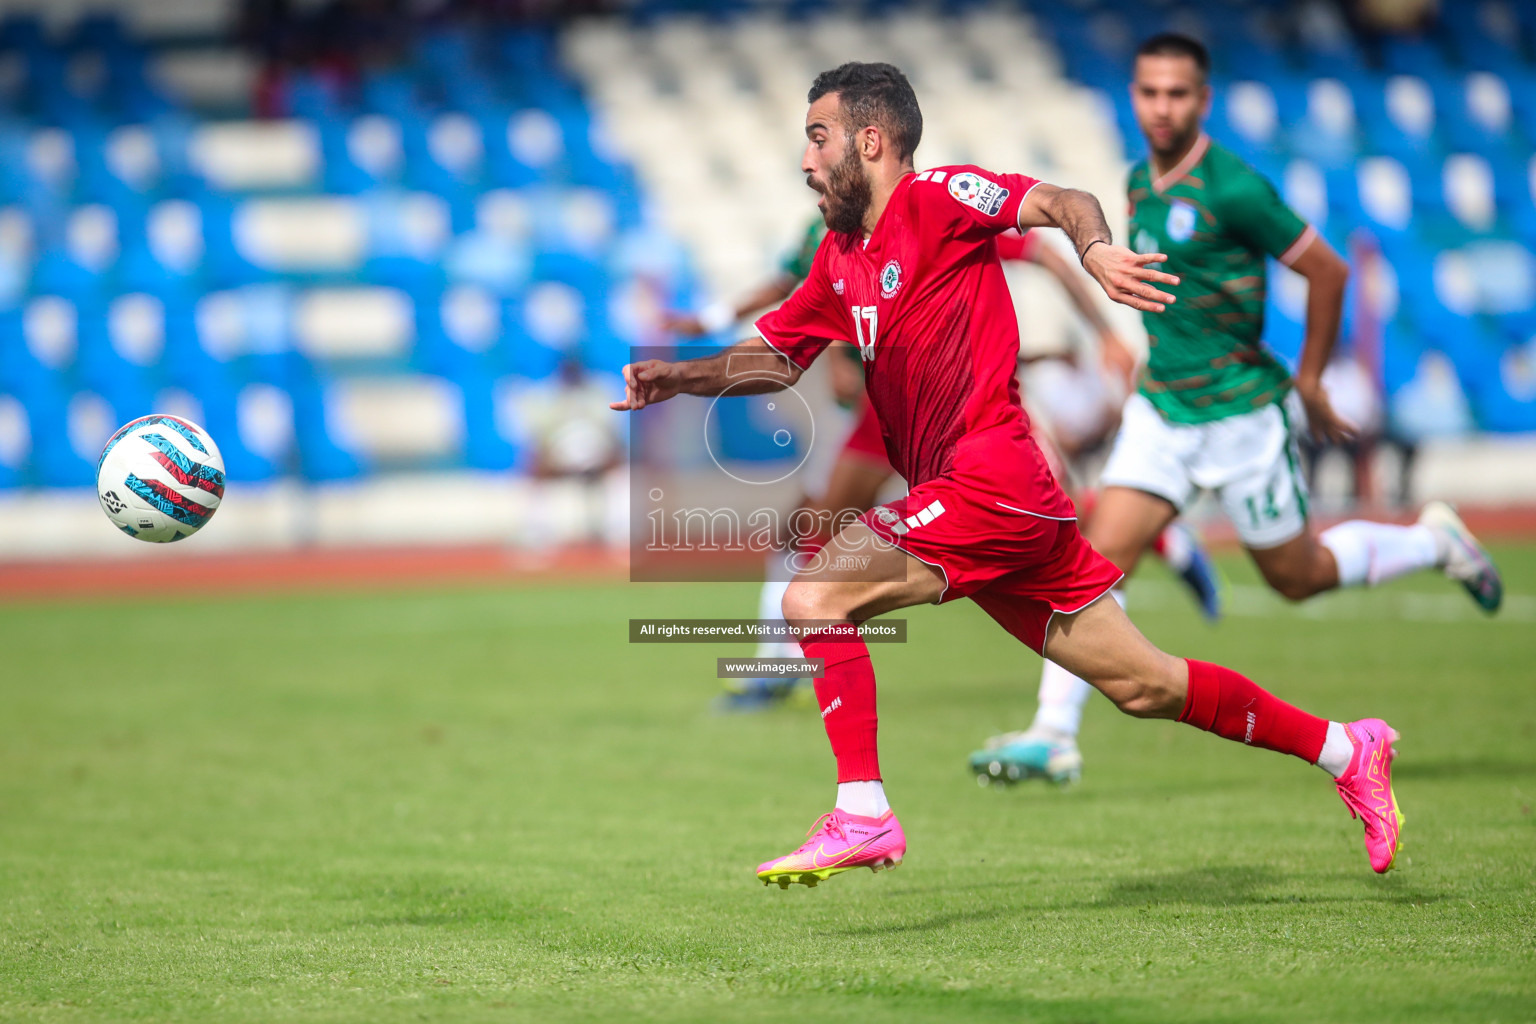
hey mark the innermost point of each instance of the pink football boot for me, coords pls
(1366, 789)
(839, 842)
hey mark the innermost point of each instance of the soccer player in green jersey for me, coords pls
(1216, 410)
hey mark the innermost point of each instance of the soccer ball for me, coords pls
(160, 478)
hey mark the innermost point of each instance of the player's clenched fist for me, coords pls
(647, 383)
(1125, 276)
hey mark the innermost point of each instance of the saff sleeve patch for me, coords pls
(978, 193)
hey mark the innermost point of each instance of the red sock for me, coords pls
(846, 695)
(1160, 545)
(1236, 708)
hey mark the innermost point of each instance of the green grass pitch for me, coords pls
(484, 805)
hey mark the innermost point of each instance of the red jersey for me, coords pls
(926, 302)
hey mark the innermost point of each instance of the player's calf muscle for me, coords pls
(1159, 695)
(1154, 686)
(1298, 569)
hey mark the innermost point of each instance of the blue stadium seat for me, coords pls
(461, 334)
(56, 462)
(444, 153)
(1401, 348)
(81, 260)
(1458, 125)
(220, 398)
(320, 458)
(392, 94)
(1326, 135)
(166, 257)
(313, 97)
(1389, 136)
(15, 440)
(1409, 56)
(484, 445)
(1244, 111)
(121, 345)
(1519, 326)
(223, 262)
(1487, 367)
(361, 153)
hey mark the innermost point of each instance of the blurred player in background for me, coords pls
(1083, 404)
(1216, 410)
(910, 272)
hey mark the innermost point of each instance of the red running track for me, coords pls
(364, 568)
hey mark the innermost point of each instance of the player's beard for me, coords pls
(847, 194)
(1178, 145)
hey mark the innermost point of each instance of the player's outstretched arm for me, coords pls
(749, 367)
(1124, 275)
(1326, 274)
(717, 316)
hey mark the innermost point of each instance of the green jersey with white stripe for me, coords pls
(1217, 219)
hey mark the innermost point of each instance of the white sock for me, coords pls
(1178, 547)
(1338, 750)
(1062, 695)
(1369, 554)
(866, 799)
(770, 609)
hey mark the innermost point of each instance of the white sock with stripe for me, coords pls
(1369, 554)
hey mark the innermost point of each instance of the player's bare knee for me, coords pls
(807, 603)
(798, 603)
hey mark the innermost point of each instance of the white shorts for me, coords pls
(1249, 460)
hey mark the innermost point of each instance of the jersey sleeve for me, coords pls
(1014, 246)
(1253, 212)
(808, 321)
(977, 203)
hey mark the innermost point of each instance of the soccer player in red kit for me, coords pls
(909, 272)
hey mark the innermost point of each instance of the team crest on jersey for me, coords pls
(978, 193)
(890, 279)
(1181, 221)
(891, 519)
(837, 286)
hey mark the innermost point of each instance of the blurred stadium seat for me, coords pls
(348, 286)
(335, 290)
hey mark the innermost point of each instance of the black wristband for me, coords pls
(1084, 254)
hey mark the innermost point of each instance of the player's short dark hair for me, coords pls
(877, 94)
(1174, 44)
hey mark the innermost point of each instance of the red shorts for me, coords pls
(866, 441)
(1053, 460)
(1022, 568)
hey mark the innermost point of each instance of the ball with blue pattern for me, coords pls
(160, 478)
